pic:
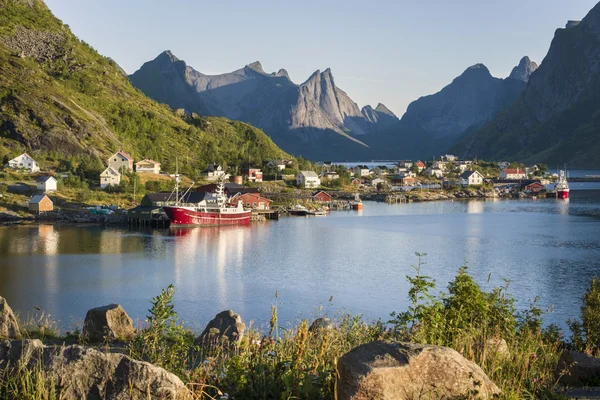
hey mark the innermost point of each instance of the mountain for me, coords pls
(557, 118)
(62, 100)
(315, 119)
(434, 123)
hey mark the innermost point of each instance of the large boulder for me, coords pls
(109, 322)
(81, 372)
(9, 327)
(577, 368)
(394, 370)
(225, 325)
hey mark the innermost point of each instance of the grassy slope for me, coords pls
(78, 102)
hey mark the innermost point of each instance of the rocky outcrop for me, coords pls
(39, 45)
(577, 368)
(80, 372)
(226, 325)
(9, 327)
(320, 324)
(109, 322)
(523, 71)
(392, 370)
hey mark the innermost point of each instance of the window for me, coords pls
(254, 204)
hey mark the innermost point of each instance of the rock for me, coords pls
(9, 327)
(109, 322)
(577, 368)
(226, 324)
(320, 324)
(497, 346)
(394, 370)
(81, 372)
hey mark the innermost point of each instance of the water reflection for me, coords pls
(543, 247)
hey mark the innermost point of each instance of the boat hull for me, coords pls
(180, 216)
(562, 194)
(357, 206)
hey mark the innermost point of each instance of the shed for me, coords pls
(40, 203)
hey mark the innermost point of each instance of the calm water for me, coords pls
(547, 248)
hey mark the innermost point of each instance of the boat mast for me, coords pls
(177, 181)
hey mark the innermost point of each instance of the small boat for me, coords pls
(356, 204)
(317, 213)
(562, 186)
(298, 210)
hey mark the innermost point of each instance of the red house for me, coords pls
(534, 187)
(321, 197)
(254, 174)
(252, 200)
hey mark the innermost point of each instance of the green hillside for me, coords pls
(61, 100)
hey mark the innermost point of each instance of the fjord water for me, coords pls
(544, 247)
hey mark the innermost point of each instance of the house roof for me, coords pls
(467, 174)
(147, 160)
(255, 195)
(43, 179)
(513, 171)
(126, 155)
(159, 197)
(320, 191)
(111, 171)
(420, 164)
(309, 174)
(211, 168)
(37, 198)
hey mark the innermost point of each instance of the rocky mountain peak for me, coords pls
(257, 66)
(571, 23)
(524, 70)
(166, 58)
(383, 109)
(283, 72)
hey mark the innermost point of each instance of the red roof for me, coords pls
(127, 156)
(514, 171)
(420, 164)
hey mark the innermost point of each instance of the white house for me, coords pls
(450, 157)
(147, 166)
(377, 181)
(24, 161)
(437, 172)
(308, 179)
(279, 164)
(214, 172)
(109, 176)
(470, 178)
(331, 175)
(362, 171)
(440, 165)
(46, 184)
(512, 173)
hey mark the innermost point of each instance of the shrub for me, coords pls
(585, 334)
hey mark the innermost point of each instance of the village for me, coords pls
(135, 192)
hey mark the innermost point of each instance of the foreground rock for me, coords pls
(81, 372)
(497, 347)
(577, 368)
(320, 324)
(109, 322)
(226, 325)
(392, 370)
(9, 328)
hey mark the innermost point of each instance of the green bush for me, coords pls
(585, 334)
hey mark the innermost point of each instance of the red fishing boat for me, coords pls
(212, 210)
(562, 186)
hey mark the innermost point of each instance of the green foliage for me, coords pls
(585, 334)
(164, 341)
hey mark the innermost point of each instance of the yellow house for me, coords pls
(40, 203)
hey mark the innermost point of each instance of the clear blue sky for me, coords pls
(390, 51)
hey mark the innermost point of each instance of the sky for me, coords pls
(388, 51)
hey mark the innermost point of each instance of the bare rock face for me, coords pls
(226, 324)
(40, 45)
(524, 70)
(392, 370)
(577, 368)
(9, 327)
(81, 372)
(107, 323)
